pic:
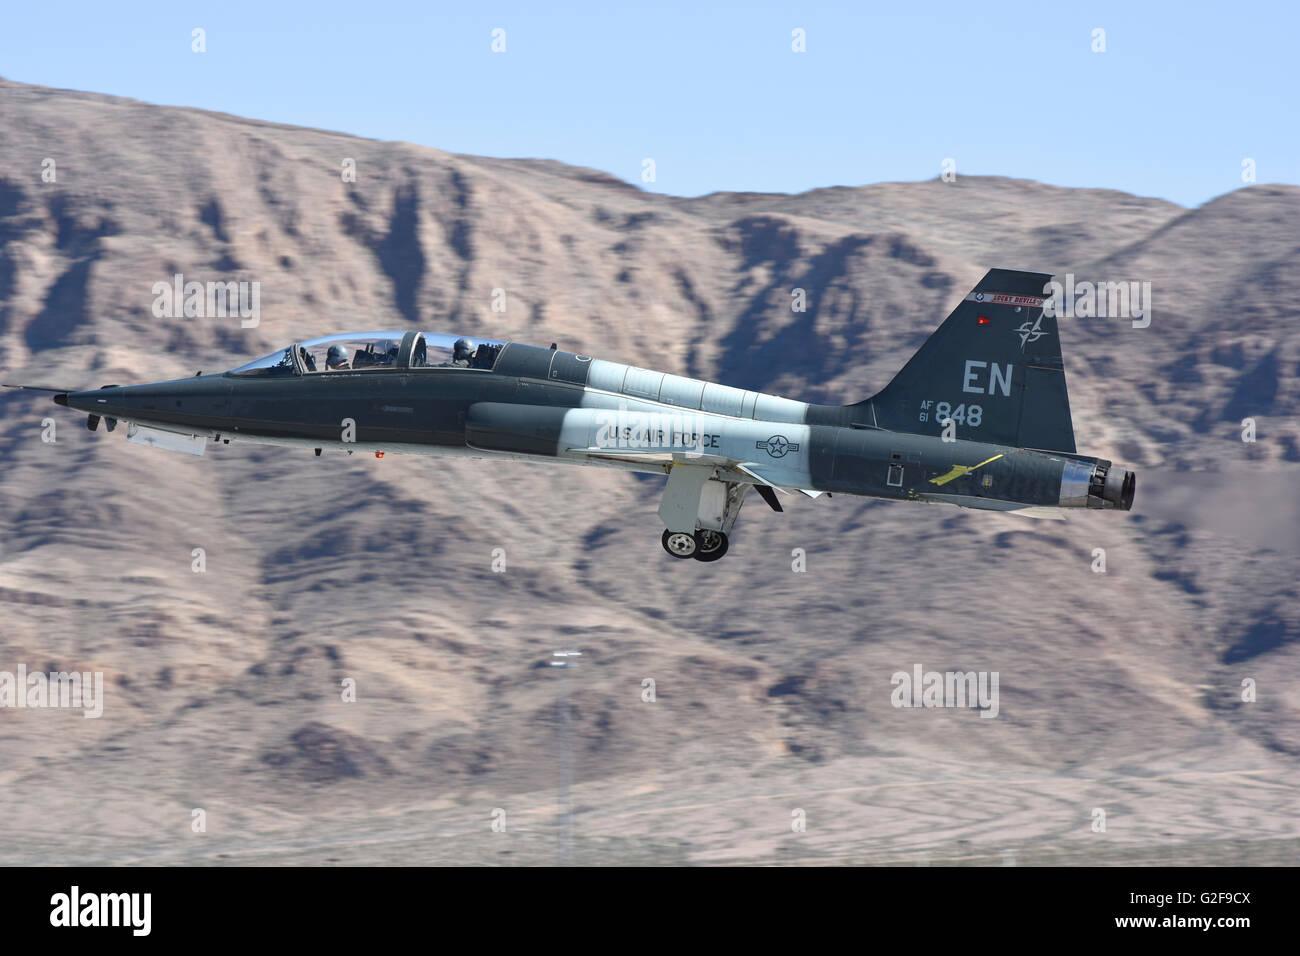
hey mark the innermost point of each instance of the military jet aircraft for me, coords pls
(979, 417)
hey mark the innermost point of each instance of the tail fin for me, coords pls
(994, 367)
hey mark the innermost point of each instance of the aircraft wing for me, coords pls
(749, 472)
(755, 471)
(627, 454)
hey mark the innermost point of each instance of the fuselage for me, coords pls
(546, 404)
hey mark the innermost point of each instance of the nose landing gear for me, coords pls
(703, 545)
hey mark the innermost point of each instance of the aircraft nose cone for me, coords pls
(94, 400)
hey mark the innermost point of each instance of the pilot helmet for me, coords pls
(463, 349)
(336, 356)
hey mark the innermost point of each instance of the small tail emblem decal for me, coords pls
(1030, 333)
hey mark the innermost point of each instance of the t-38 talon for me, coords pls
(979, 417)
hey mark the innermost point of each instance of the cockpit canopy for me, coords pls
(377, 352)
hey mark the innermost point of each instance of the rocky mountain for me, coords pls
(1120, 691)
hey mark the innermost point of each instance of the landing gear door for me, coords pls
(680, 507)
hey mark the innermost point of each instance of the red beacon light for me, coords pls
(983, 320)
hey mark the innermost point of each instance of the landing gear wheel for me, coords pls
(680, 544)
(710, 545)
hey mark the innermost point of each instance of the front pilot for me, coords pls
(336, 359)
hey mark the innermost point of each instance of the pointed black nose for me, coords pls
(94, 400)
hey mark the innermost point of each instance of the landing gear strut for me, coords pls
(707, 505)
(703, 545)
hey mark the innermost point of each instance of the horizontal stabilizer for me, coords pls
(995, 504)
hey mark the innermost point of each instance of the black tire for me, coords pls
(710, 545)
(680, 540)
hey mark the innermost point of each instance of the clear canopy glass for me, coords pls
(438, 350)
(377, 351)
(277, 363)
(351, 351)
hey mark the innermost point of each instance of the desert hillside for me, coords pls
(1119, 691)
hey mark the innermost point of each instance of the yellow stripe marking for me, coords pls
(959, 470)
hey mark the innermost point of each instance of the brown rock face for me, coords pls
(225, 671)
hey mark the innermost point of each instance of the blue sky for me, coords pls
(714, 94)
